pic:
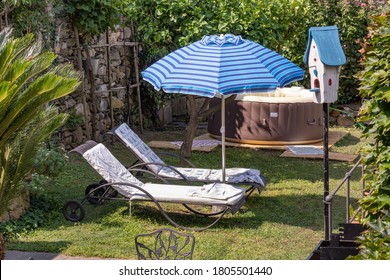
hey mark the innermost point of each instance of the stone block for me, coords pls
(102, 70)
(114, 36)
(71, 42)
(69, 103)
(103, 105)
(78, 135)
(79, 109)
(345, 121)
(117, 103)
(18, 207)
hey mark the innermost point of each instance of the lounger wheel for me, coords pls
(73, 211)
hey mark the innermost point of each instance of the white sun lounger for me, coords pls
(150, 160)
(228, 197)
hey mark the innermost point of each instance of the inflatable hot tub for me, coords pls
(285, 116)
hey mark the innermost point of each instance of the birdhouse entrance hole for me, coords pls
(316, 83)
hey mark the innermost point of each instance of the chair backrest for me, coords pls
(104, 162)
(138, 146)
(165, 244)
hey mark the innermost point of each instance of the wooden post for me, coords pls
(92, 93)
(136, 68)
(127, 77)
(108, 49)
(84, 99)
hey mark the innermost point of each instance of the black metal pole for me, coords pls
(327, 205)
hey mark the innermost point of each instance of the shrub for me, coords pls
(94, 17)
(281, 25)
(40, 212)
(375, 88)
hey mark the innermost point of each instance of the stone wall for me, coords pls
(18, 207)
(111, 109)
(344, 115)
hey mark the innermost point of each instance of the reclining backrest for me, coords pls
(101, 159)
(140, 149)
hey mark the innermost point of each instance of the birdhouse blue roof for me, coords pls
(328, 45)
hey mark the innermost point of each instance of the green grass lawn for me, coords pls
(285, 221)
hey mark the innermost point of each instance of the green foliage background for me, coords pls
(375, 88)
(281, 25)
(165, 25)
(94, 17)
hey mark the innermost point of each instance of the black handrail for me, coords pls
(347, 179)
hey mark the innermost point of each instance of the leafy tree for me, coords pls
(165, 25)
(27, 84)
(94, 17)
(281, 25)
(375, 88)
(26, 16)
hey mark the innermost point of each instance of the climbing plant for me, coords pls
(94, 17)
(30, 16)
(375, 88)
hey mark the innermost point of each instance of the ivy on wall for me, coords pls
(94, 17)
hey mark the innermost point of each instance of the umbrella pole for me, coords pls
(223, 179)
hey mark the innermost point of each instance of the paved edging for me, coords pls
(20, 255)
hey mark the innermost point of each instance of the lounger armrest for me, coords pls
(177, 156)
(141, 165)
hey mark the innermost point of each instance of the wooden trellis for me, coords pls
(130, 48)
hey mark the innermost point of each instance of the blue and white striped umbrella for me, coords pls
(225, 65)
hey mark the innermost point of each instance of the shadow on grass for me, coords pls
(296, 210)
(348, 140)
(272, 166)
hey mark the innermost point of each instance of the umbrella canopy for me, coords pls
(225, 65)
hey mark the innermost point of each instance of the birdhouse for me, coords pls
(324, 56)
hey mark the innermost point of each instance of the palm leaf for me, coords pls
(45, 89)
(9, 187)
(38, 65)
(25, 87)
(43, 126)
(5, 58)
(14, 48)
(16, 70)
(18, 158)
(34, 68)
(4, 88)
